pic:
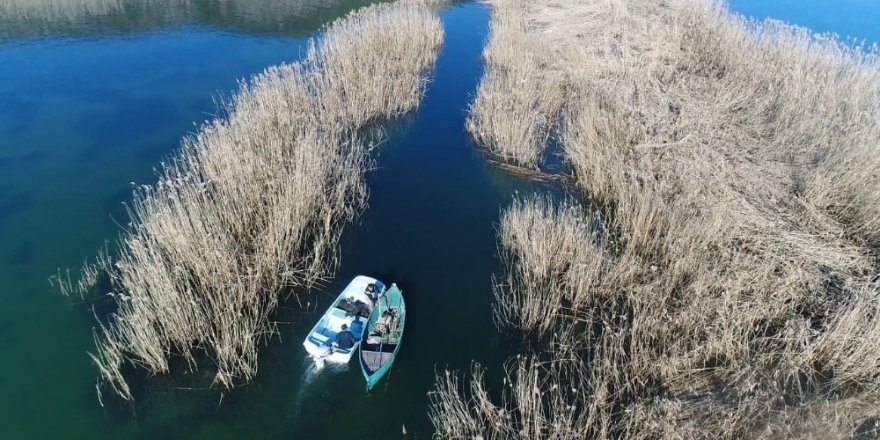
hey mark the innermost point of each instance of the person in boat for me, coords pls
(344, 339)
(357, 327)
(372, 293)
(384, 323)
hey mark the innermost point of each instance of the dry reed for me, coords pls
(735, 293)
(254, 203)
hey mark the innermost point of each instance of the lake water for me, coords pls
(93, 99)
(850, 19)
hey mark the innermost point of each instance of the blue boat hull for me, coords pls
(376, 358)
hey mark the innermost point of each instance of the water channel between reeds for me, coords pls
(92, 106)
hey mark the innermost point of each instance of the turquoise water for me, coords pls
(92, 103)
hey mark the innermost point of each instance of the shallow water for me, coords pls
(94, 102)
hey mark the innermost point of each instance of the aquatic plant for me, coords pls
(253, 204)
(732, 290)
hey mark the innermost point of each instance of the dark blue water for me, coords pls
(92, 104)
(429, 227)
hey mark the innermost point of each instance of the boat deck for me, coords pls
(373, 360)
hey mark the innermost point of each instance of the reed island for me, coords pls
(715, 273)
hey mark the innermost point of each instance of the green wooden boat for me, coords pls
(383, 337)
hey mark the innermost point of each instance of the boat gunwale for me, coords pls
(383, 369)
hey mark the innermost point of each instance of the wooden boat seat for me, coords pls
(374, 359)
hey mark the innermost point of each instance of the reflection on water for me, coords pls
(32, 18)
(313, 372)
(82, 118)
(850, 19)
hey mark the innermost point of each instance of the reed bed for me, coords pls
(519, 97)
(253, 204)
(732, 290)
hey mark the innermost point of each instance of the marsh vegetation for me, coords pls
(719, 276)
(253, 204)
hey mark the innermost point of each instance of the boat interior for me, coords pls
(352, 308)
(331, 324)
(374, 360)
(384, 334)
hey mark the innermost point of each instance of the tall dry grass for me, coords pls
(735, 293)
(254, 203)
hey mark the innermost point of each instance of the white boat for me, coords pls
(351, 308)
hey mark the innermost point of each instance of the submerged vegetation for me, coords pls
(253, 203)
(732, 289)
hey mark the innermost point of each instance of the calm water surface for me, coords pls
(94, 98)
(850, 19)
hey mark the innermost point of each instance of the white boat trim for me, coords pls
(318, 342)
